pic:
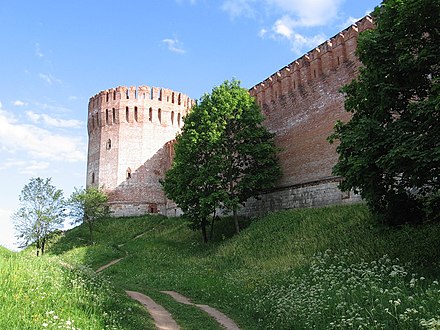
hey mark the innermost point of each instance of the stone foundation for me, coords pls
(312, 194)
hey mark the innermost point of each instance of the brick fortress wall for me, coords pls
(131, 133)
(130, 130)
(301, 103)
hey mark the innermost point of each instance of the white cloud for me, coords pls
(51, 121)
(37, 142)
(348, 22)
(49, 79)
(19, 103)
(192, 2)
(31, 167)
(285, 28)
(304, 13)
(309, 13)
(174, 45)
(38, 51)
(236, 8)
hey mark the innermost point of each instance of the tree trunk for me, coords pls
(37, 243)
(91, 232)
(203, 227)
(43, 241)
(212, 227)
(237, 225)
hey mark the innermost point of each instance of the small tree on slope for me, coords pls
(390, 150)
(223, 156)
(89, 205)
(41, 212)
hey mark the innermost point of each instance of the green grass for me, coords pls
(299, 269)
(44, 293)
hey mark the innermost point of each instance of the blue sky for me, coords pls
(55, 55)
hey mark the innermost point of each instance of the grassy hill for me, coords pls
(300, 269)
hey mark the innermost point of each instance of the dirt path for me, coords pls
(111, 263)
(162, 318)
(221, 318)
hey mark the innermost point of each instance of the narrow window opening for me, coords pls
(338, 61)
(150, 115)
(151, 94)
(135, 94)
(127, 114)
(93, 177)
(93, 122)
(172, 98)
(114, 95)
(168, 98)
(135, 113)
(314, 73)
(160, 94)
(108, 145)
(114, 115)
(159, 115)
(294, 84)
(127, 94)
(178, 119)
(106, 97)
(106, 116)
(172, 118)
(179, 99)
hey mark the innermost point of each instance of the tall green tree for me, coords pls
(41, 212)
(223, 156)
(390, 150)
(88, 206)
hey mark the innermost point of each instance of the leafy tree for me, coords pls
(41, 213)
(390, 150)
(89, 205)
(223, 156)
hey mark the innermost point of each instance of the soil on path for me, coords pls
(162, 318)
(221, 318)
(111, 263)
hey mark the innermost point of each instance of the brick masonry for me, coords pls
(130, 133)
(301, 103)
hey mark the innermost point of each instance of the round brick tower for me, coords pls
(130, 145)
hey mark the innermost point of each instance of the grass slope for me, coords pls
(301, 269)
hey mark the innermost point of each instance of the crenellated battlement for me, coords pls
(109, 97)
(137, 104)
(316, 64)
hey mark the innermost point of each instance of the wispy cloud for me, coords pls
(236, 8)
(292, 19)
(51, 121)
(38, 143)
(50, 79)
(19, 103)
(25, 166)
(284, 28)
(38, 52)
(174, 46)
(192, 2)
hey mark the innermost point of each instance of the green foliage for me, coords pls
(89, 205)
(390, 149)
(337, 267)
(223, 156)
(46, 293)
(40, 214)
